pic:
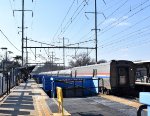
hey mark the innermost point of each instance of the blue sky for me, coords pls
(124, 31)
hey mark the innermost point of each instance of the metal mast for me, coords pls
(22, 29)
(64, 51)
(96, 30)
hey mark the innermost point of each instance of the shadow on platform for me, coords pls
(20, 103)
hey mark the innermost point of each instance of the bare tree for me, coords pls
(101, 61)
(81, 60)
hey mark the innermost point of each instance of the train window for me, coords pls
(123, 75)
(94, 72)
(143, 71)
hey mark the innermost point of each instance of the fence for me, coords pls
(7, 82)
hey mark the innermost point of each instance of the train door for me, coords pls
(71, 74)
(123, 76)
(75, 73)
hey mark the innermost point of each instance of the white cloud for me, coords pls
(116, 22)
(123, 24)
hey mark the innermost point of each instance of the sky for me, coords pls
(124, 28)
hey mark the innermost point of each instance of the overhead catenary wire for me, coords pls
(46, 53)
(73, 17)
(139, 35)
(63, 19)
(80, 42)
(147, 41)
(117, 9)
(118, 33)
(78, 19)
(130, 27)
(107, 17)
(114, 34)
(15, 20)
(122, 20)
(57, 46)
(40, 42)
(138, 6)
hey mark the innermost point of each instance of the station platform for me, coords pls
(31, 100)
(27, 99)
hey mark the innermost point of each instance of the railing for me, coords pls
(6, 83)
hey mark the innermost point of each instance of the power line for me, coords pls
(132, 43)
(137, 23)
(73, 17)
(139, 5)
(33, 52)
(125, 13)
(114, 11)
(15, 20)
(80, 42)
(126, 39)
(64, 19)
(129, 46)
(46, 52)
(9, 41)
(40, 42)
(141, 21)
(107, 17)
(123, 19)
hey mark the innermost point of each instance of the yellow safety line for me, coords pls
(38, 107)
(42, 107)
(121, 100)
(45, 108)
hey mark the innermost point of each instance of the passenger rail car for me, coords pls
(117, 75)
(142, 69)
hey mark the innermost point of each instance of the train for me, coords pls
(142, 74)
(117, 75)
(142, 71)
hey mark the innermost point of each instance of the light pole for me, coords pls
(10, 52)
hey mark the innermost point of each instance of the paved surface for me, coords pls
(25, 99)
(97, 106)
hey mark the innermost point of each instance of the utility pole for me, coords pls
(26, 51)
(64, 51)
(22, 29)
(52, 59)
(87, 52)
(95, 13)
(96, 29)
(35, 53)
